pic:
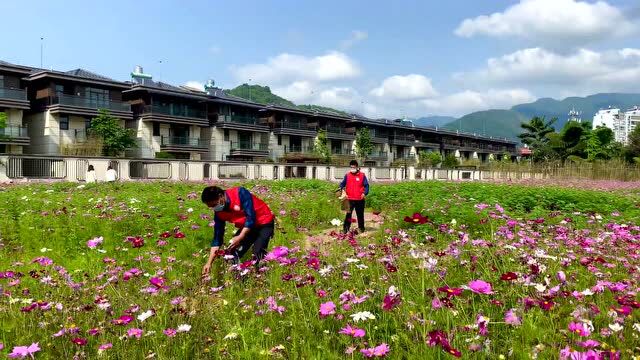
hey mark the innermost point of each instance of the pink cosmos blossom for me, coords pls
(389, 302)
(104, 347)
(480, 287)
(20, 352)
(93, 243)
(158, 282)
(511, 318)
(352, 331)
(579, 328)
(134, 332)
(122, 320)
(328, 308)
(170, 332)
(589, 344)
(79, 341)
(378, 351)
(561, 277)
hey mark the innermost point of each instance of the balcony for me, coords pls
(300, 154)
(83, 106)
(246, 148)
(378, 155)
(175, 114)
(403, 140)
(379, 137)
(295, 129)
(15, 135)
(298, 149)
(341, 152)
(178, 143)
(340, 133)
(238, 122)
(405, 159)
(14, 98)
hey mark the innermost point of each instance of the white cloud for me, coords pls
(583, 70)
(286, 68)
(355, 37)
(469, 101)
(557, 22)
(408, 87)
(195, 85)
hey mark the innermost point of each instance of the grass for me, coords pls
(230, 316)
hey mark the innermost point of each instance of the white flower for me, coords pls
(540, 287)
(336, 222)
(44, 249)
(190, 210)
(352, 260)
(230, 336)
(636, 327)
(325, 270)
(362, 266)
(145, 315)
(363, 316)
(80, 186)
(587, 292)
(133, 201)
(392, 291)
(453, 222)
(102, 251)
(615, 327)
(184, 328)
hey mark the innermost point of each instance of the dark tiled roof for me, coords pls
(87, 75)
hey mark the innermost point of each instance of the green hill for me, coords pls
(433, 121)
(263, 95)
(496, 123)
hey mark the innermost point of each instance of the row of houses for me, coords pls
(49, 112)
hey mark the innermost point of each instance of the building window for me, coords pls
(64, 123)
(87, 123)
(279, 140)
(156, 129)
(1, 81)
(226, 135)
(59, 89)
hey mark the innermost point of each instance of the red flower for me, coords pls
(417, 218)
(508, 276)
(389, 302)
(450, 291)
(438, 337)
(452, 351)
(165, 235)
(178, 235)
(623, 310)
(79, 341)
(313, 263)
(546, 304)
(136, 242)
(390, 267)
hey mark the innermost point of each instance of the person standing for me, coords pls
(356, 185)
(251, 216)
(111, 174)
(90, 177)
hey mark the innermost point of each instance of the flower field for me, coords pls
(445, 270)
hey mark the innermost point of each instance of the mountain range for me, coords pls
(495, 122)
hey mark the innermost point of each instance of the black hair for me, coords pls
(109, 167)
(90, 168)
(211, 193)
(353, 162)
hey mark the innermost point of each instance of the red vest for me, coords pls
(235, 214)
(355, 185)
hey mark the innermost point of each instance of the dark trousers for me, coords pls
(358, 205)
(259, 237)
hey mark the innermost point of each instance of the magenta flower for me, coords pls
(480, 287)
(352, 331)
(122, 320)
(158, 282)
(389, 302)
(79, 341)
(93, 243)
(561, 277)
(134, 332)
(378, 351)
(579, 328)
(327, 309)
(20, 352)
(511, 318)
(589, 344)
(170, 332)
(104, 347)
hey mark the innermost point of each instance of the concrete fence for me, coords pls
(15, 168)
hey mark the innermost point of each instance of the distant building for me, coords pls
(574, 115)
(622, 123)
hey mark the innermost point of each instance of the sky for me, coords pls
(380, 59)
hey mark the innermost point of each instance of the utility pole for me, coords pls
(249, 89)
(41, 50)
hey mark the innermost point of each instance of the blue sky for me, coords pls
(398, 58)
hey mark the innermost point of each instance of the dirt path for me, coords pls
(318, 240)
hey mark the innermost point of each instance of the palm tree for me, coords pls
(536, 131)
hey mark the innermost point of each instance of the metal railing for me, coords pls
(36, 168)
(247, 120)
(378, 155)
(85, 102)
(339, 130)
(298, 149)
(13, 94)
(179, 111)
(14, 131)
(410, 138)
(183, 141)
(229, 171)
(149, 170)
(383, 173)
(337, 151)
(298, 126)
(242, 145)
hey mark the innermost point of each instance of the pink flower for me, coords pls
(134, 332)
(170, 332)
(579, 328)
(511, 318)
(589, 343)
(79, 341)
(104, 347)
(352, 331)
(24, 351)
(436, 303)
(93, 243)
(122, 320)
(327, 309)
(158, 282)
(480, 287)
(561, 277)
(389, 302)
(378, 351)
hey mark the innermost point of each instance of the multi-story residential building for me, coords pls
(63, 104)
(631, 120)
(167, 119)
(622, 123)
(181, 122)
(13, 103)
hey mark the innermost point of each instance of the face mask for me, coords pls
(353, 171)
(218, 207)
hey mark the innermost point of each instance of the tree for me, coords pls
(632, 150)
(536, 131)
(450, 161)
(114, 137)
(321, 146)
(429, 158)
(3, 124)
(363, 144)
